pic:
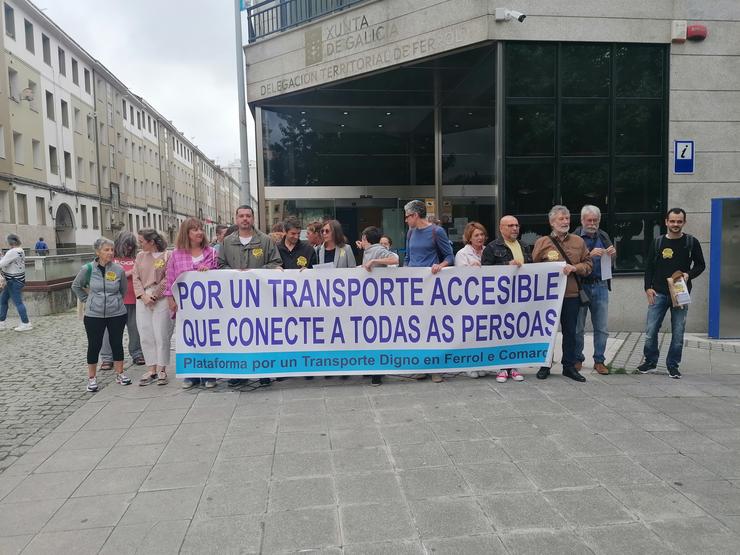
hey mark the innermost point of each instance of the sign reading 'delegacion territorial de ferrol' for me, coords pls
(267, 323)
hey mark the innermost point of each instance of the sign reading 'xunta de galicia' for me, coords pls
(266, 323)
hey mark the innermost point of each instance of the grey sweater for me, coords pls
(103, 297)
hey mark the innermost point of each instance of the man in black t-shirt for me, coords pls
(672, 252)
(296, 254)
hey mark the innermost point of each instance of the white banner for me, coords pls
(271, 323)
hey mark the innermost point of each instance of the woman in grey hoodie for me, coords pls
(101, 285)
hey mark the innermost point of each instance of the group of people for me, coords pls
(125, 289)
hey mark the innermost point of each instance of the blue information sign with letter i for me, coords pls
(683, 156)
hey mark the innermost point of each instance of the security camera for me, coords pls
(504, 14)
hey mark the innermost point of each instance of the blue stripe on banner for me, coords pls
(358, 362)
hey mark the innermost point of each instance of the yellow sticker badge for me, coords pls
(110, 276)
(553, 256)
(667, 253)
(159, 264)
(301, 261)
(257, 252)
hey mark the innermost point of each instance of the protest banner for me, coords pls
(268, 323)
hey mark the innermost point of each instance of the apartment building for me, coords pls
(83, 156)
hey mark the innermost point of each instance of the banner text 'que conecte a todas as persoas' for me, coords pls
(270, 323)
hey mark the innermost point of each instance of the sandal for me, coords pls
(162, 377)
(139, 361)
(147, 378)
(107, 365)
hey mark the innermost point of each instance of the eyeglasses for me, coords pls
(407, 216)
(512, 225)
(326, 231)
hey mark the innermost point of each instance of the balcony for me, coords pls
(274, 16)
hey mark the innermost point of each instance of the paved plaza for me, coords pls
(621, 464)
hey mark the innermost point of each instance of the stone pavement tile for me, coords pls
(541, 406)
(696, 535)
(471, 545)
(653, 502)
(491, 409)
(13, 545)
(288, 465)
(93, 439)
(538, 542)
(219, 399)
(675, 467)
(404, 415)
(732, 522)
(438, 412)
(232, 534)
(251, 425)
(299, 442)
(376, 523)
(549, 475)
(52, 485)
(475, 451)
(83, 460)
(589, 507)
(300, 493)
(80, 417)
(347, 404)
(27, 463)
(300, 530)
(89, 512)
(147, 435)
(208, 414)
(177, 475)
(691, 442)
(8, 483)
(494, 477)
(656, 422)
(27, 517)
(584, 445)
(151, 417)
(725, 465)
(638, 442)
(51, 442)
(518, 511)
(201, 432)
(563, 423)
(311, 407)
(627, 405)
(458, 430)
(155, 506)
(110, 482)
(730, 438)
(178, 401)
(384, 548)
(355, 439)
(717, 497)
(532, 448)
(625, 538)
(237, 498)
(392, 401)
(123, 456)
(79, 542)
(250, 445)
(405, 434)
(367, 459)
(421, 483)
(617, 471)
(608, 421)
(111, 420)
(151, 538)
(128, 405)
(355, 420)
(229, 471)
(420, 455)
(448, 518)
(376, 487)
(509, 426)
(302, 423)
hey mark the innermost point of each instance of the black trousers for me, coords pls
(95, 329)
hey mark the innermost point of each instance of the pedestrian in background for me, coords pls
(335, 249)
(221, 232)
(102, 285)
(13, 268)
(313, 234)
(192, 252)
(41, 248)
(474, 237)
(295, 253)
(124, 254)
(277, 232)
(152, 310)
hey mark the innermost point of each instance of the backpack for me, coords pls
(80, 304)
(658, 242)
(435, 227)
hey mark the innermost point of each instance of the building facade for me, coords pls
(368, 104)
(81, 155)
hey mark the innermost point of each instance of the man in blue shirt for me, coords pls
(598, 244)
(41, 248)
(427, 246)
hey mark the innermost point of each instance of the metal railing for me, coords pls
(274, 16)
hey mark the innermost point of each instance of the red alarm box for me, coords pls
(696, 32)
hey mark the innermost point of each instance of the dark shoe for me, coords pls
(674, 373)
(343, 377)
(107, 365)
(573, 374)
(265, 381)
(645, 367)
(139, 361)
(376, 380)
(600, 367)
(308, 377)
(543, 372)
(579, 365)
(328, 377)
(235, 382)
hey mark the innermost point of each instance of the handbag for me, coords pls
(583, 297)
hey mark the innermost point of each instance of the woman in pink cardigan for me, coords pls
(192, 252)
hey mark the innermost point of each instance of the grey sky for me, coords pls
(178, 55)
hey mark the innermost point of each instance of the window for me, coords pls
(37, 161)
(18, 154)
(93, 174)
(21, 206)
(138, 120)
(75, 72)
(49, 105)
(46, 49)
(62, 62)
(155, 128)
(53, 161)
(124, 108)
(67, 165)
(5, 214)
(9, 21)
(104, 177)
(29, 36)
(95, 222)
(83, 215)
(131, 222)
(131, 110)
(65, 114)
(149, 122)
(13, 83)
(77, 119)
(101, 131)
(40, 211)
(33, 103)
(80, 169)
(2, 141)
(87, 80)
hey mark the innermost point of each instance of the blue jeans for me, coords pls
(656, 314)
(568, 323)
(599, 307)
(13, 291)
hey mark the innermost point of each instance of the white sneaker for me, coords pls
(3, 326)
(24, 327)
(473, 374)
(92, 384)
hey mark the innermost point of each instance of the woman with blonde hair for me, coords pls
(192, 252)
